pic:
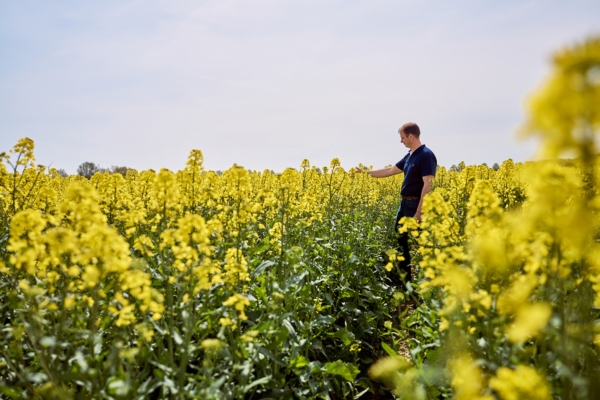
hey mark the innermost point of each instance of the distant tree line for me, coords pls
(88, 169)
(462, 165)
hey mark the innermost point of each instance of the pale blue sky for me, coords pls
(268, 83)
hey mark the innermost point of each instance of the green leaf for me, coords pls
(148, 386)
(170, 385)
(48, 341)
(389, 350)
(345, 336)
(358, 395)
(37, 377)
(177, 337)
(272, 356)
(289, 327)
(345, 370)
(263, 266)
(118, 387)
(299, 362)
(81, 361)
(264, 379)
(13, 394)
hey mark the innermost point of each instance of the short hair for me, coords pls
(410, 128)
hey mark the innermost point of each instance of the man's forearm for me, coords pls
(381, 173)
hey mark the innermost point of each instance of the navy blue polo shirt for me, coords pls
(416, 165)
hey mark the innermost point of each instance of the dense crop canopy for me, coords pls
(246, 284)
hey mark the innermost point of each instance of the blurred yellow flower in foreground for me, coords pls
(467, 379)
(399, 376)
(530, 319)
(521, 383)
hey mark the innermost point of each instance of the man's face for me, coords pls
(406, 139)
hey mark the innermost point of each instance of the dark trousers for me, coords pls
(408, 208)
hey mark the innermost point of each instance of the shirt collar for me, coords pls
(419, 149)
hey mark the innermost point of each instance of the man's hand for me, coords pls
(417, 215)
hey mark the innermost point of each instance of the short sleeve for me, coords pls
(400, 164)
(429, 164)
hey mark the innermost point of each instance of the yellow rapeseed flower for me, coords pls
(467, 379)
(211, 344)
(239, 302)
(529, 321)
(523, 382)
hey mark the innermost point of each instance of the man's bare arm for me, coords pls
(384, 172)
(427, 181)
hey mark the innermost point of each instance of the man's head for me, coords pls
(409, 134)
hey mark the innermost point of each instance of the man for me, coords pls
(419, 167)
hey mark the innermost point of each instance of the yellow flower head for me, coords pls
(521, 383)
(529, 321)
(239, 302)
(467, 379)
(211, 345)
